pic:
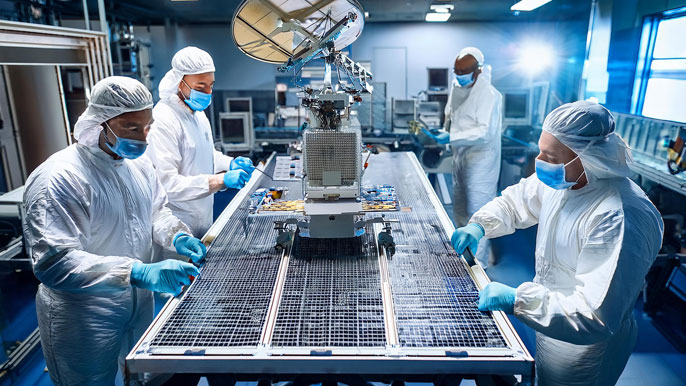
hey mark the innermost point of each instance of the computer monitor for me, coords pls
(239, 105)
(516, 107)
(235, 131)
(439, 79)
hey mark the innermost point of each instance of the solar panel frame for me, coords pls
(419, 230)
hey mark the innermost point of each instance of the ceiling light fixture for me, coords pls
(435, 17)
(528, 5)
(442, 8)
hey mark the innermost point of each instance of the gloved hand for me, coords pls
(166, 276)
(189, 246)
(441, 138)
(497, 297)
(236, 178)
(242, 163)
(467, 236)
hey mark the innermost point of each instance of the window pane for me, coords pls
(670, 37)
(668, 65)
(664, 99)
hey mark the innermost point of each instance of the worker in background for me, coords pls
(182, 145)
(93, 211)
(474, 119)
(598, 235)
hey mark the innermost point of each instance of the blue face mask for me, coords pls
(553, 175)
(465, 80)
(125, 147)
(197, 101)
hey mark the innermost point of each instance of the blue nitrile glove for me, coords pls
(497, 297)
(189, 246)
(442, 137)
(242, 163)
(236, 178)
(166, 276)
(467, 236)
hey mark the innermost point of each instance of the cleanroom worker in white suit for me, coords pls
(474, 119)
(182, 144)
(93, 211)
(598, 235)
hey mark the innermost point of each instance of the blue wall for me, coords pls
(437, 45)
(427, 45)
(235, 71)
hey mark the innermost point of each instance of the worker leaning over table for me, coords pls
(598, 235)
(93, 211)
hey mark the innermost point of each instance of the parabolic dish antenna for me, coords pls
(275, 31)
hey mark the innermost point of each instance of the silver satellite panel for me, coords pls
(275, 30)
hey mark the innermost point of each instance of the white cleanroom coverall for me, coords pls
(475, 122)
(181, 145)
(88, 218)
(182, 149)
(594, 248)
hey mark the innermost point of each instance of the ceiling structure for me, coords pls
(155, 12)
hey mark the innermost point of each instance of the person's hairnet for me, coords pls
(475, 52)
(589, 130)
(188, 61)
(110, 97)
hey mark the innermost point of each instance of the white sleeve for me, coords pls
(164, 151)
(610, 272)
(473, 127)
(56, 226)
(222, 162)
(165, 226)
(517, 208)
(448, 109)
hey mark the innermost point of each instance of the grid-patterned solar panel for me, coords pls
(332, 291)
(228, 304)
(433, 294)
(332, 295)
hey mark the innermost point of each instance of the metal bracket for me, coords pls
(286, 234)
(385, 237)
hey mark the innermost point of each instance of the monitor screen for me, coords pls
(516, 105)
(232, 130)
(239, 106)
(438, 78)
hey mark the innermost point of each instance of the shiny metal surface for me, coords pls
(262, 31)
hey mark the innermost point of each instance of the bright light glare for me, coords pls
(528, 5)
(535, 58)
(437, 17)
